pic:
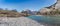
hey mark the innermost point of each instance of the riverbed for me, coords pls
(30, 21)
(19, 21)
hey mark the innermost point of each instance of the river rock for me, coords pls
(20, 21)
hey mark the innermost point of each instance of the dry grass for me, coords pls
(7, 13)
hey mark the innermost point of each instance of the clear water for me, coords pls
(46, 19)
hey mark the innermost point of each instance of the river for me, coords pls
(46, 19)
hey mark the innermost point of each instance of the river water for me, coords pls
(52, 20)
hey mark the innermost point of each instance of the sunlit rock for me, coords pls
(20, 21)
(57, 6)
(44, 10)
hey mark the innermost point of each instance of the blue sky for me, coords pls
(25, 4)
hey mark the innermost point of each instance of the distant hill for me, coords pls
(29, 12)
(11, 13)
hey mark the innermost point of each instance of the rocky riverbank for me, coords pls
(20, 21)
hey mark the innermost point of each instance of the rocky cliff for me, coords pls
(51, 10)
(57, 6)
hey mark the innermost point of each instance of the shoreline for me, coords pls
(47, 15)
